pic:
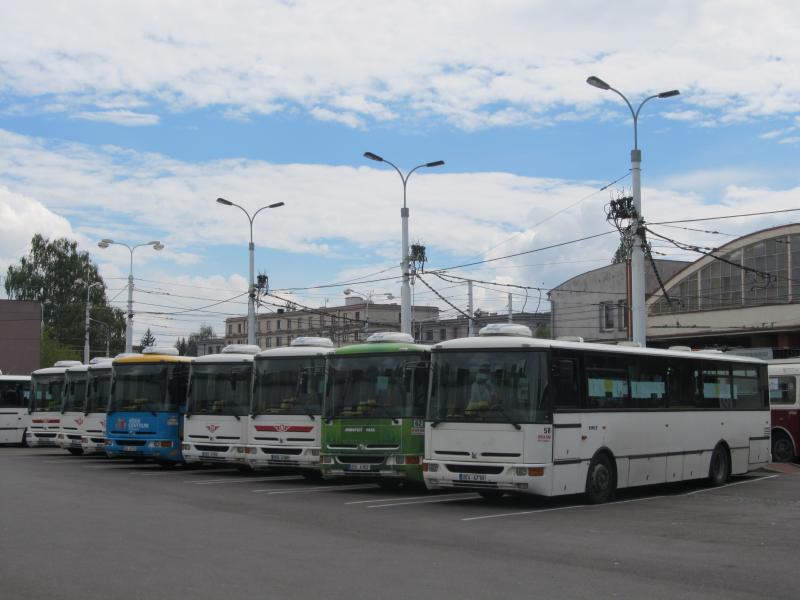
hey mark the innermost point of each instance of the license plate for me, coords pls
(471, 477)
(209, 454)
(129, 448)
(358, 467)
(279, 457)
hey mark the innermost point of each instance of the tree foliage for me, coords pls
(49, 274)
(148, 339)
(190, 347)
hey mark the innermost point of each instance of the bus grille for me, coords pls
(485, 485)
(484, 469)
(282, 450)
(210, 448)
(130, 442)
(371, 459)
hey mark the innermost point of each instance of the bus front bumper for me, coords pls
(213, 453)
(506, 477)
(93, 444)
(41, 439)
(298, 457)
(399, 466)
(159, 450)
(67, 441)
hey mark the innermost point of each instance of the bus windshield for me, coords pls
(14, 394)
(220, 389)
(98, 386)
(289, 386)
(75, 393)
(148, 387)
(490, 387)
(46, 396)
(377, 386)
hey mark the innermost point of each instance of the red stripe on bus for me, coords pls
(287, 428)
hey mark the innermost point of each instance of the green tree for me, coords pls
(56, 274)
(148, 339)
(52, 350)
(181, 346)
(206, 332)
(542, 331)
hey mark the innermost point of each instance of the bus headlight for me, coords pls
(326, 460)
(430, 467)
(186, 447)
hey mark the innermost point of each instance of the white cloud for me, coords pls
(126, 118)
(474, 63)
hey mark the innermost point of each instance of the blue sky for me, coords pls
(127, 120)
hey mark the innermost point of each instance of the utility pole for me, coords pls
(510, 308)
(470, 323)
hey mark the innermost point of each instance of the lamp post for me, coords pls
(105, 243)
(369, 296)
(88, 318)
(251, 303)
(405, 291)
(637, 307)
(108, 334)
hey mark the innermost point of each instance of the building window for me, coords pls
(238, 328)
(269, 325)
(278, 325)
(622, 315)
(607, 314)
(443, 334)
(278, 341)
(230, 328)
(429, 335)
(269, 342)
(355, 336)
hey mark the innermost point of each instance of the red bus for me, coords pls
(784, 377)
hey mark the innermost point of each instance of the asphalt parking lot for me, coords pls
(87, 527)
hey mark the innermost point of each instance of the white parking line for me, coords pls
(579, 506)
(394, 498)
(423, 502)
(242, 480)
(159, 471)
(327, 488)
(749, 480)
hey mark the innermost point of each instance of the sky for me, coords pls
(126, 120)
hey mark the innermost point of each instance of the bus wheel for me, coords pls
(782, 449)
(75, 451)
(720, 469)
(600, 483)
(24, 442)
(490, 494)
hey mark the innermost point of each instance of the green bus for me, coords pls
(373, 422)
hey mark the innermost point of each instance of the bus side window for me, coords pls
(568, 391)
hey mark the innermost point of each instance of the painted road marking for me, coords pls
(434, 501)
(596, 506)
(242, 480)
(328, 488)
(395, 498)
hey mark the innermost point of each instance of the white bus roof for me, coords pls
(77, 369)
(15, 377)
(59, 369)
(503, 342)
(224, 358)
(289, 351)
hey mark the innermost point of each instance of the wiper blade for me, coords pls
(386, 412)
(499, 409)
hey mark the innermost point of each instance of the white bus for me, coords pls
(15, 393)
(285, 415)
(215, 429)
(98, 390)
(511, 413)
(73, 400)
(47, 386)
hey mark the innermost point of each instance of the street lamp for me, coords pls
(108, 333)
(105, 243)
(369, 296)
(637, 307)
(251, 303)
(86, 332)
(405, 291)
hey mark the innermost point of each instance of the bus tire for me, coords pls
(782, 447)
(75, 451)
(719, 471)
(490, 494)
(24, 442)
(600, 480)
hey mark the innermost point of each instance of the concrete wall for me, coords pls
(20, 336)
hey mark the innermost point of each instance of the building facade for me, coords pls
(20, 336)
(349, 323)
(745, 296)
(594, 305)
(430, 332)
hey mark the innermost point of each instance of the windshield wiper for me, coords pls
(500, 410)
(308, 412)
(386, 412)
